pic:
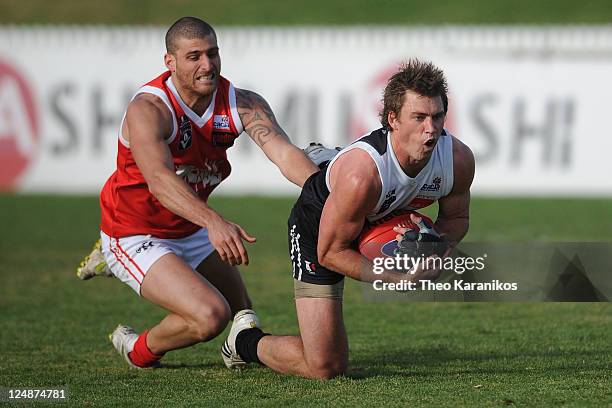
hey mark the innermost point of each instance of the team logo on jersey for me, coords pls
(389, 199)
(185, 133)
(200, 178)
(223, 139)
(434, 186)
(221, 122)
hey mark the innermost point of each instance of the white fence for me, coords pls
(531, 102)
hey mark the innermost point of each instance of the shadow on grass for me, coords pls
(199, 366)
(446, 361)
(443, 361)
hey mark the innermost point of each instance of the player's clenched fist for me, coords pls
(226, 237)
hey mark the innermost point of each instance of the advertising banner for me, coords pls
(527, 101)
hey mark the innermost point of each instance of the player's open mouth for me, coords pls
(430, 142)
(206, 78)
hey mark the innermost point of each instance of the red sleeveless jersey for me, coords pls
(198, 145)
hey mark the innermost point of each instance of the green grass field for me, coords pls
(55, 327)
(307, 12)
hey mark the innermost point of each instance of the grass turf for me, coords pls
(308, 12)
(54, 327)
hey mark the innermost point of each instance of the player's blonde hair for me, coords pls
(415, 75)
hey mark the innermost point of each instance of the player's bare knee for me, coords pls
(327, 368)
(210, 320)
(327, 372)
(209, 326)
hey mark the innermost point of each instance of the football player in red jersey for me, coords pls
(158, 233)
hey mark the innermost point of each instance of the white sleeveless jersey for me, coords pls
(400, 191)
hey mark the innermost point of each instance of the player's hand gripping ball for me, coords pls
(378, 239)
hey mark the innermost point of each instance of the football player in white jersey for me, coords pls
(334, 206)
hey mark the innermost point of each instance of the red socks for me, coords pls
(141, 355)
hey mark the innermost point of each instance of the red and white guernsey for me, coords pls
(198, 145)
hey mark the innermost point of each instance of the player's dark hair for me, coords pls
(187, 27)
(418, 76)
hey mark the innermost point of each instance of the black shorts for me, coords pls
(303, 234)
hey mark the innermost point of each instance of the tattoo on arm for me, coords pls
(261, 134)
(257, 117)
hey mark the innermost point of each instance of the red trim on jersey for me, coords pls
(198, 154)
(122, 264)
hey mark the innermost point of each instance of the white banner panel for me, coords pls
(531, 103)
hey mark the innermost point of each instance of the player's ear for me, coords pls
(392, 119)
(170, 62)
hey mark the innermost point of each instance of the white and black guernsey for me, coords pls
(399, 191)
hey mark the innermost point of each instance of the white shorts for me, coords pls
(130, 258)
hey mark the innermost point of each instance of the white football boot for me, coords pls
(93, 264)
(244, 319)
(320, 154)
(123, 339)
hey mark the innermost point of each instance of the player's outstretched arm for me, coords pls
(261, 125)
(148, 124)
(454, 209)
